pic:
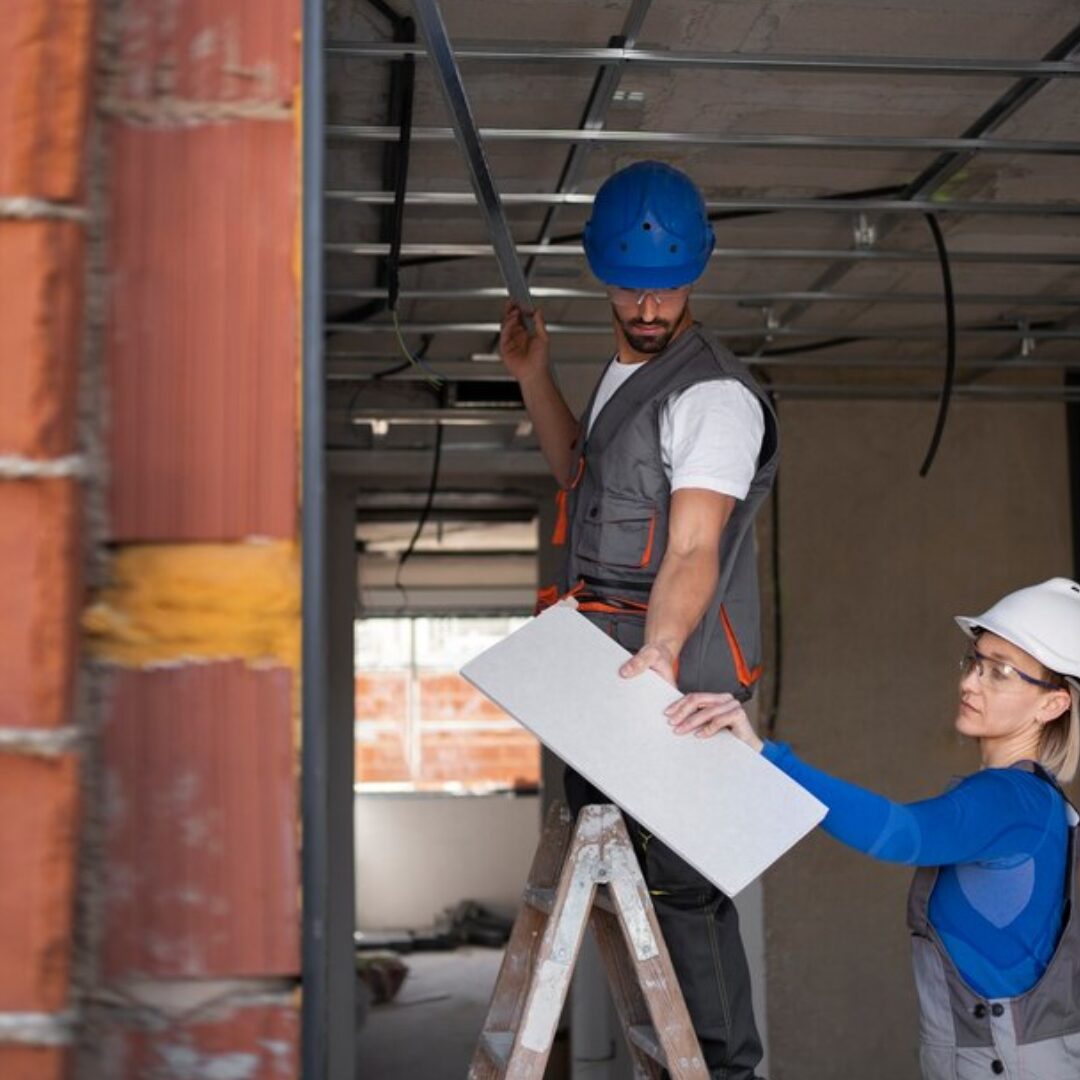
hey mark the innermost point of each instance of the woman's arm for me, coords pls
(992, 814)
(989, 815)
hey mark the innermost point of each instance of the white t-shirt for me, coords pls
(710, 433)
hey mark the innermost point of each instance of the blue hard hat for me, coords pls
(648, 228)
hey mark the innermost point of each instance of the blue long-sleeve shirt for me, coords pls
(999, 839)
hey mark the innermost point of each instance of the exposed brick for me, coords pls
(510, 759)
(506, 755)
(34, 1063)
(255, 1042)
(380, 757)
(45, 53)
(382, 695)
(203, 331)
(39, 559)
(448, 697)
(41, 270)
(202, 843)
(210, 50)
(38, 809)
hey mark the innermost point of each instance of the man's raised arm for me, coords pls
(526, 356)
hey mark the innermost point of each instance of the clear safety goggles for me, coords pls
(998, 675)
(636, 297)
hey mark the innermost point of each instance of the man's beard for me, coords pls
(650, 343)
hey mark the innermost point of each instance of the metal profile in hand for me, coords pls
(448, 77)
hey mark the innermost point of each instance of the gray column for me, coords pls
(341, 890)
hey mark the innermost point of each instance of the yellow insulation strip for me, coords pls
(174, 602)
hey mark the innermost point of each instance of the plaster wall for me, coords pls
(874, 563)
(419, 854)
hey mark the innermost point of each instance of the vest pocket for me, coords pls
(1050, 1059)
(939, 1063)
(976, 1063)
(617, 531)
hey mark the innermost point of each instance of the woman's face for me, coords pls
(998, 707)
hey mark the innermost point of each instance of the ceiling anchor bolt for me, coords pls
(865, 233)
(1027, 342)
(772, 321)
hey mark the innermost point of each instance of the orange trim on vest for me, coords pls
(613, 605)
(545, 598)
(604, 608)
(647, 554)
(558, 534)
(550, 594)
(745, 676)
(562, 524)
(579, 474)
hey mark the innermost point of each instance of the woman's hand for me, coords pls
(708, 714)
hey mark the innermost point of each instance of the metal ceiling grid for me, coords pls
(971, 114)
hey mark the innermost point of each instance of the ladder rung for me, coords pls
(498, 1045)
(540, 897)
(644, 1037)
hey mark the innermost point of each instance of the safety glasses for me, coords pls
(998, 675)
(636, 297)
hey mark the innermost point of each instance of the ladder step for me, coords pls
(497, 1044)
(612, 899)
(540, 897)
(644, 1037)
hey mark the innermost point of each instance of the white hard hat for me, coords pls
(1043, 620)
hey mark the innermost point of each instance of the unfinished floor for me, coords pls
(430, 1028)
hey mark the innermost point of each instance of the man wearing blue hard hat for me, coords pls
(660, 481)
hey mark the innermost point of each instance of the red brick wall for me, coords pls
(202, 358)
(46, 59)
(461, 736)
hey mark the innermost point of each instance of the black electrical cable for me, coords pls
(769, 723)
(406, 30)
(950, 345)
(387, 12)
(777, 609)
(425, 513)
(425, 343)
(407, 88)
(865, 193)
(386, 372)
(399, 95)
(1072, 429)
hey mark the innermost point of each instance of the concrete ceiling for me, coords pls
(1016, 275)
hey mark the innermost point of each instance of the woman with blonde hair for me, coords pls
(992, 907)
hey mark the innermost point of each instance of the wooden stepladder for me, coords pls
(586, 874)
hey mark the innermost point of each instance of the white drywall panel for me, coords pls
(715, 801)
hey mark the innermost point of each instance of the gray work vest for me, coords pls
(616, 519)
(963, 1036)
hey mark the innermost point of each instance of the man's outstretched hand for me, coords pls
(656, 657)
